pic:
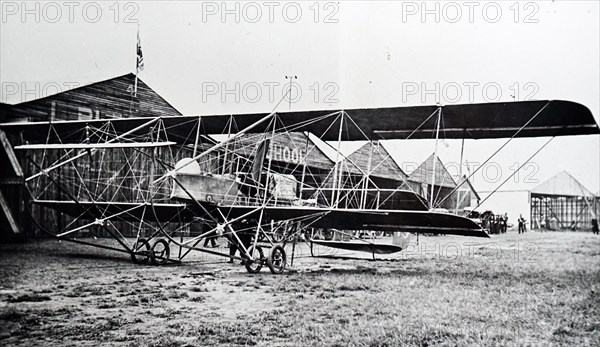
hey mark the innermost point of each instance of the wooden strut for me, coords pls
(17, 179)
(294, 251)
(334, 202)
(460, 174)
(437, 135)
(363, 202)
(268, 178)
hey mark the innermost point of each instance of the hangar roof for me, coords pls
(381, 163)
(112, 98)
(562, 184)
(424, 172)
(469, 186)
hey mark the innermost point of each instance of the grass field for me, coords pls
(533, 289)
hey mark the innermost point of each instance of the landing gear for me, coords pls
(159, 252)
(255, 263)
(276, 260)
(141, 251)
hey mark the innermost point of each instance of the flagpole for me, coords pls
(137, 62)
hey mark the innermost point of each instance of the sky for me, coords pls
(208, 57)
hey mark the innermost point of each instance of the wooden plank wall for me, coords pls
(381, 163)
(112, 98)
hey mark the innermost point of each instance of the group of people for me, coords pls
(545, 224)
(552, 223)
(496, 224)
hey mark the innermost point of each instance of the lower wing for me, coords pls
(318, 217)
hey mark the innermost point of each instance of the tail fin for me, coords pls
(259, 159)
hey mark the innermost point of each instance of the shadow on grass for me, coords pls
(97, 256)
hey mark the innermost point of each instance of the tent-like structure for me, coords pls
(465, 196)
(384, 174)
(563, 203)
(420, 181)
(369, 176)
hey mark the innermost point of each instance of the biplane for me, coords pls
(161, 185)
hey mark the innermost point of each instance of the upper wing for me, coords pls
(470, 121)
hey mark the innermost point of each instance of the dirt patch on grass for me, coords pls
(535, 289)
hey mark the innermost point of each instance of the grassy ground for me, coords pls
(533, 289)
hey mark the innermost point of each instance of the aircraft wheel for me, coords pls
(255, 263)
(276, 260)
(141, 251)
(159, 253)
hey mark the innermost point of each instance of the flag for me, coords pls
(140, 56)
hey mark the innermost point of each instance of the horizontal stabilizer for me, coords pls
(368, 247)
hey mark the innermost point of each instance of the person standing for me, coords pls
(212, 238)
(521, 221)
(595, 226)
(244, 234)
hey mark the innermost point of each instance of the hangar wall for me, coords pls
(113, 98)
